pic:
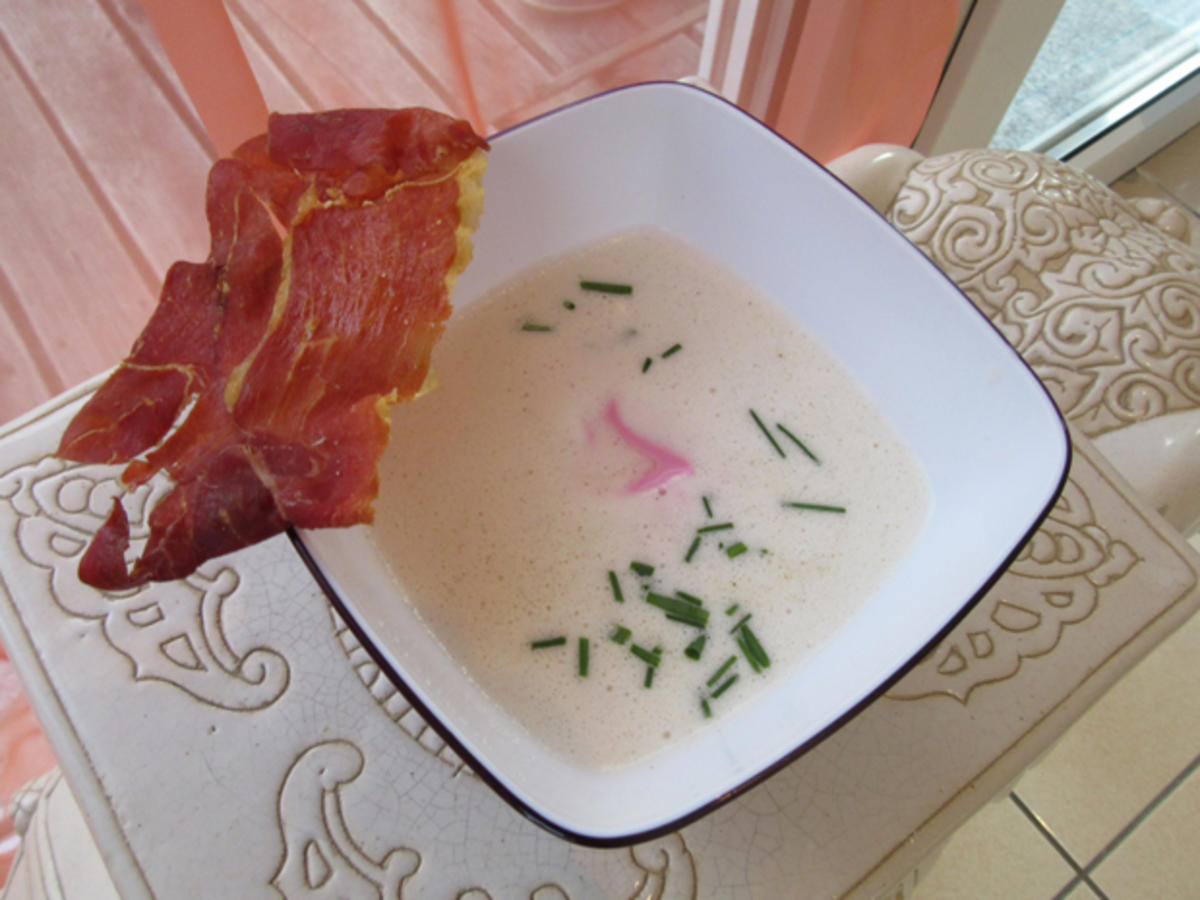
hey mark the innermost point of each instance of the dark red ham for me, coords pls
(336, 240)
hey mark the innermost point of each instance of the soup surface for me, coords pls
(627, 507)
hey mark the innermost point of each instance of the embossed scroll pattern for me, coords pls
(171, 632)
(1104, 305)
(323, 859)
(1056, 581)
(390, 700)
(666, 870)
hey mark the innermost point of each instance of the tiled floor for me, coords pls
(1113, 809)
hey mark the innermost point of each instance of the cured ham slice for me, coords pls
(262, 381)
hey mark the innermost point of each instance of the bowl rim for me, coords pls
(490, 778)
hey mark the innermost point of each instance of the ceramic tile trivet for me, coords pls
(227, 736)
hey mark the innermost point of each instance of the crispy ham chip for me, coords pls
(262, 381)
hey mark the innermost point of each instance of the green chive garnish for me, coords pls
(770, 437)
(584, 646)
(672, 350)
(740, 622)
(705, 708)
(620, 634)
(736, 550)
(646, 364)
(690, 598)
(569, 304)
(650, 657)
(707, 506)
(534, 326)
(643, 569)
(732, 610)
(616, 586)
(548, 642)
(818, 507)
(799, 443)
(716, 676)
(606, 287)
(692, 550)
(696, 647)
(724, 686)
(678, 610)
(649, 679)
(752, 649)
(724, 526)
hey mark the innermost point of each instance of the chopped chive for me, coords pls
(606, 287)
(751, 649)
(620, 634)
(643, 569)
(690, 615)
(749, 654)
(732, 609)
(692, 550)
(649, 679)
(650, 657)
(705, 708)
(568, 304)
(817, 507)
(736, 550)
(707, 506)
(672, 350)
(696, 647)
(799, 443)
(724, 686)
(716, 676)
(534, 326)
(678, 610)
(770, 437)
(646, 364)
(740, 622)
(754, 664)
(548, 642)
(724, 526)
(753, 642)
(616, 586)
(584, 647)
(690, 598)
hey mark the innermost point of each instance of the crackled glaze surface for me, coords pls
(246, 690)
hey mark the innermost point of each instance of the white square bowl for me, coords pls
(991, 443)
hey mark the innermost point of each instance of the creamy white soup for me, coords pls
(638, 493)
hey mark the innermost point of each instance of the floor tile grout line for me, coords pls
(528, 42)
(1081, 874)
(662, 32)
(261, 37)
(39, 353)
(55, 123)
(181, 104)
(1148, 810)
(445, 92)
